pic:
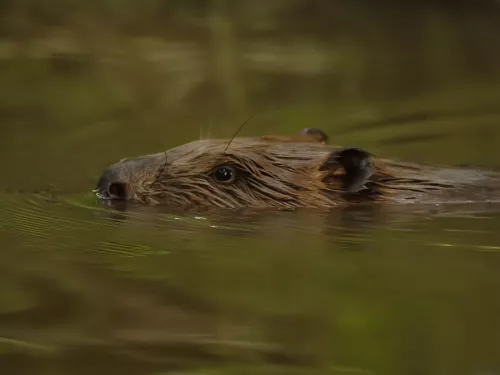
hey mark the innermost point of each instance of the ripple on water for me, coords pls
(40, 216)
(42, 221)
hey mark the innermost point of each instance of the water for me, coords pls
(361, 290)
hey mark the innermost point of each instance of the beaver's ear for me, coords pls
(357, 165)
(316, 134)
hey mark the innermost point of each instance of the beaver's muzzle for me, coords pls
(114, 190)
(123, 180)
(112, 185)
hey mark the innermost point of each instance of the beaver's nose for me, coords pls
(110, 186)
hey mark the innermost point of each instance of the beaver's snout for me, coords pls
(112, 186)
(127, 179)
(115, 190)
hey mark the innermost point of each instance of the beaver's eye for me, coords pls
(225, 174)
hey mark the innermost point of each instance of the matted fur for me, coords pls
(276, 174)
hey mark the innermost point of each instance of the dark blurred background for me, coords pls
(86, 82)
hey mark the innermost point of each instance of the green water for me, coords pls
(86, 289)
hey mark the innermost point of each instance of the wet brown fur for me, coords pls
(283, 172)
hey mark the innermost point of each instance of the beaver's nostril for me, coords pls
(118, 190)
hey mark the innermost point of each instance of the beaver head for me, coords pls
(267, 171)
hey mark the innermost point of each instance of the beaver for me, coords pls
(286, 172)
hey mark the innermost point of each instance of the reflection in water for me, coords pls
(88, 288)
